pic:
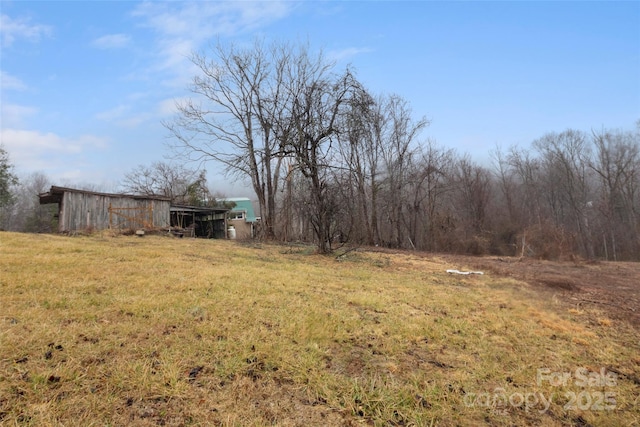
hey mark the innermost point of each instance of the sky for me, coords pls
(85, 86)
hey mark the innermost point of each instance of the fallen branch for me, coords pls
(630, 377)
(604, 303)
(355, 248)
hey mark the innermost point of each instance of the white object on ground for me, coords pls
(464, 272)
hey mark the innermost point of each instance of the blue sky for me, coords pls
(85, 86)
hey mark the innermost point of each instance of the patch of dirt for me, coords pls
(612, 287)
(238, 402)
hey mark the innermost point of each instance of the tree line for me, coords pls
(20, 209)
(570, 194)
(330, 162)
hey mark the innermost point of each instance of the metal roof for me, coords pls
(197, 209)
(243, 204)
(54, 195)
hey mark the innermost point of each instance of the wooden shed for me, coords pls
(89, 210)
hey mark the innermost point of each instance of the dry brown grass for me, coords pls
(104, 330)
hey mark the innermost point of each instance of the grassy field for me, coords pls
(105, 330)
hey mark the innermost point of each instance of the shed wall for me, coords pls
(80, 211)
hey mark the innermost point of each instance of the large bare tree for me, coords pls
(253, 108)
(235, 117)
(320, 98)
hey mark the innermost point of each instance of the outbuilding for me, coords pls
(81, 210)
(243, 222)
(196, 221)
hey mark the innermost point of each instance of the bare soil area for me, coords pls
(611, 287)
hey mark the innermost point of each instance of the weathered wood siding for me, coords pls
(81, 211)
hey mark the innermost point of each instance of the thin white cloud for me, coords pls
(167, 107)
(122, 116)
(32, 150)
(201, 20)
(344, 54)
(136, 96)
(14, 115)
(114, 113)
(9, 82)
(183, 28)
(71, 177)
(111, 41)
(176, 52)
(134, 121)
(14, 29)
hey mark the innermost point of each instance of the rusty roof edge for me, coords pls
(175, 208)
(60, 190)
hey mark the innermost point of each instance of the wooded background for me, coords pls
(331, 163)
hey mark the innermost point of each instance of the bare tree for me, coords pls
(359, 154)
(565, 158)
(235, 117)
(473, 189)
(617, 165)
(319, 99)
(25, 213)
(506, 182)
(398, 151)
(364, 144)
(170, 180)
(350, 165)
(435, 171)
